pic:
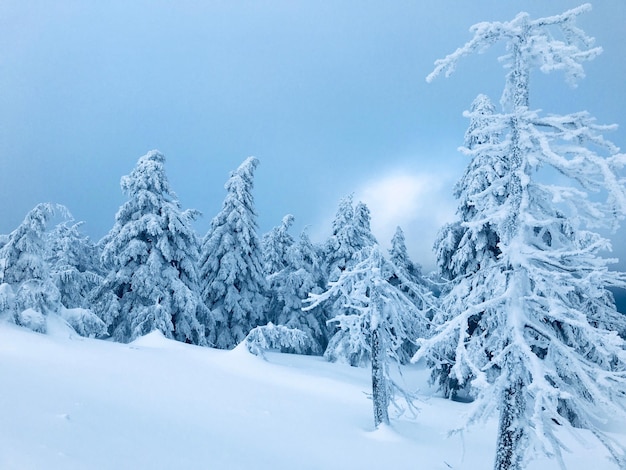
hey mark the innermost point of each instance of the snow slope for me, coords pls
(68, 402)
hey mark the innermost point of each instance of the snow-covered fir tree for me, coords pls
(470, 242)
(234, 287)
(74, 264)
(301, 275)
(406, 276)
(465, 244)
(351, 341)
(275, 245)
(350, 233)
(518, 323)
(29, 295)
(376, 321)
(150, 258)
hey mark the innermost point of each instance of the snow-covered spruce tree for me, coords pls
(74, 264)
(150, 258)
(470, 242)
(29, 294)
(465, 244)
(275, 245)
(302, 275)
(350, 234)
(538, 358)
(407, 276)
(378, 319)
(399, 255)
(292, 270)
(231, 263)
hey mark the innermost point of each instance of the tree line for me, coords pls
(519, 319)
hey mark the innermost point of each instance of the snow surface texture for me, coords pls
(75, 403)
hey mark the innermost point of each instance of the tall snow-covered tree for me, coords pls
(517, 321)
(150, 256)
(378, 319)
(470, 242)
(234, 287)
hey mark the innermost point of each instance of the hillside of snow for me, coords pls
(68, 402)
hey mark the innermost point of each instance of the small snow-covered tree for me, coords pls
(350, 233)
(399, 255)
(301, 275)
(231, 263)
(517, 322)
(74, 263)
(29, 291)
(150, 256)
(465, 244)
(277, 337)
(378, 319)
(275, 245)
(407, 276)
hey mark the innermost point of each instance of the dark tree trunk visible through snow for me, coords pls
(380, 388)
(509, 449)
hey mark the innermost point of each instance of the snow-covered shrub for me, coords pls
(272, 337)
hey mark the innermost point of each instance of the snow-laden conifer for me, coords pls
(150, 256)
(464, 245)
(376, 321)
(350, 233)
(231, 263)
(406, 321)
(74, 263)
(406, 276)
(29, 293)
(530, 324)
(275, 245)
(291, 286)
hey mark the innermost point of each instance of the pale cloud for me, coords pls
(419, 202)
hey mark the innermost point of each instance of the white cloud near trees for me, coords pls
(419, 202)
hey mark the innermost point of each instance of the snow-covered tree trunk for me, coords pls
(510, 444)
(380, 385)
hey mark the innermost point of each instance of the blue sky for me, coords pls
(330, 96)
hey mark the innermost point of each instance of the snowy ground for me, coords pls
(72, 403)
